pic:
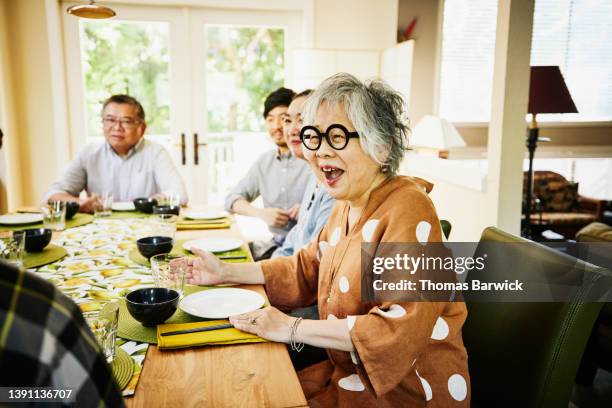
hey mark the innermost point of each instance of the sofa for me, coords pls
(556, 205)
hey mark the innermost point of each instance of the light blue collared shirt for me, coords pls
(145, 170)
(314, 212)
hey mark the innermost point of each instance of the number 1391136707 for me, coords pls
(34, 394)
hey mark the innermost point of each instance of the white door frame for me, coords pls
(186, 71)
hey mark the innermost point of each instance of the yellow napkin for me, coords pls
(195, 224)
(209, 338)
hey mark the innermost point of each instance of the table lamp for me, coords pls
(436, 134)
(547, 94)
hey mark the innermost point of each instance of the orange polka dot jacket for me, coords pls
(406, 354)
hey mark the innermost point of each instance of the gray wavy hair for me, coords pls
(375, 110)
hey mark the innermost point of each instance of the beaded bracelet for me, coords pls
(295, 346)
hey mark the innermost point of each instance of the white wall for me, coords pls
(355, 24)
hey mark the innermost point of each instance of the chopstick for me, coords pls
(199, 329)
(232, 257)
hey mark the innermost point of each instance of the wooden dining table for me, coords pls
(246, 375)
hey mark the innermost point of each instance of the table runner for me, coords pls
(97, 270)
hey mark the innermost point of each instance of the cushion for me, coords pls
(595, 232)
(558, 196)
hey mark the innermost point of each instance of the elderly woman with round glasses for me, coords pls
(380, 354)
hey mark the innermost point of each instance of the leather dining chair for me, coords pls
(446, 228)
(527, 353)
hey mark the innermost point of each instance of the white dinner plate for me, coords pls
(213, 244)
(123, 206)
(205, 214)
(221, 303)
(20, 219)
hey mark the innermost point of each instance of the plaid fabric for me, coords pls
(45, 342)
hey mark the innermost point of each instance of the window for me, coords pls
(126, 57)
(573, 34)
(243, 65)
(468, 48)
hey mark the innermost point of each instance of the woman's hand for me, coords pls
(206, 269)
(268, 323)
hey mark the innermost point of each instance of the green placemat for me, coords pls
(76, 221)
(50, 254)
(123, 368)
(79, 219)
(177, 249)
(132, 329)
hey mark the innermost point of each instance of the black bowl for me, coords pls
(152, 306)
(166, 209)
(151, 246)
(36, 239)
(145, 205)
(72, 208)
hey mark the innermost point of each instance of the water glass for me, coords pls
(169, 271)
(12, 247)
(169, 198)
(164, 225)
(103, 204)
(54, 215)
(104, 326)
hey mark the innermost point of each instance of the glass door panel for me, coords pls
(243, 65)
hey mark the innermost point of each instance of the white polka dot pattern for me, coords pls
(426, 387)
(457, 387)
(395, 311)
(323, 245)
(351, 383)
(335, 237)
(343, 284)
(331, 317)
(354, 358)
(368, 230)
(440, 330)
(423, 229)
(350, 321)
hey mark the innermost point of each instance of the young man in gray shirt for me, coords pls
(278, 176)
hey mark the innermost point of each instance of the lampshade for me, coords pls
(548, 92)
(436, 133)
(91, 10)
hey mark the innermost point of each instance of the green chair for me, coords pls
(446, 228)
(527, 354)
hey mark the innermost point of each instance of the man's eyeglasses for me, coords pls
(125, 123)
(337, 137)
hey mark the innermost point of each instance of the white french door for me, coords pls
(177, 62)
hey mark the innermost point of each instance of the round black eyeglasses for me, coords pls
(337, 137)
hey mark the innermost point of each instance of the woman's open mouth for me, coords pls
(332, 174)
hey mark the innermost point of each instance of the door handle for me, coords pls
(183, 149)
(196, 148)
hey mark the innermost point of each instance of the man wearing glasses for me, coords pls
(126, 165)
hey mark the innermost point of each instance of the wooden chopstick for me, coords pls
(199, 329)
(233, 257)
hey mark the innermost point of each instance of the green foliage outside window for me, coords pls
(126, 57)
(251, 60)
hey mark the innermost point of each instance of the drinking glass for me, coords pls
(54, 215)
(12, 247)
(169, 271)
(164, 225)
(169, 198)
(104, 326)
(103, 204)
